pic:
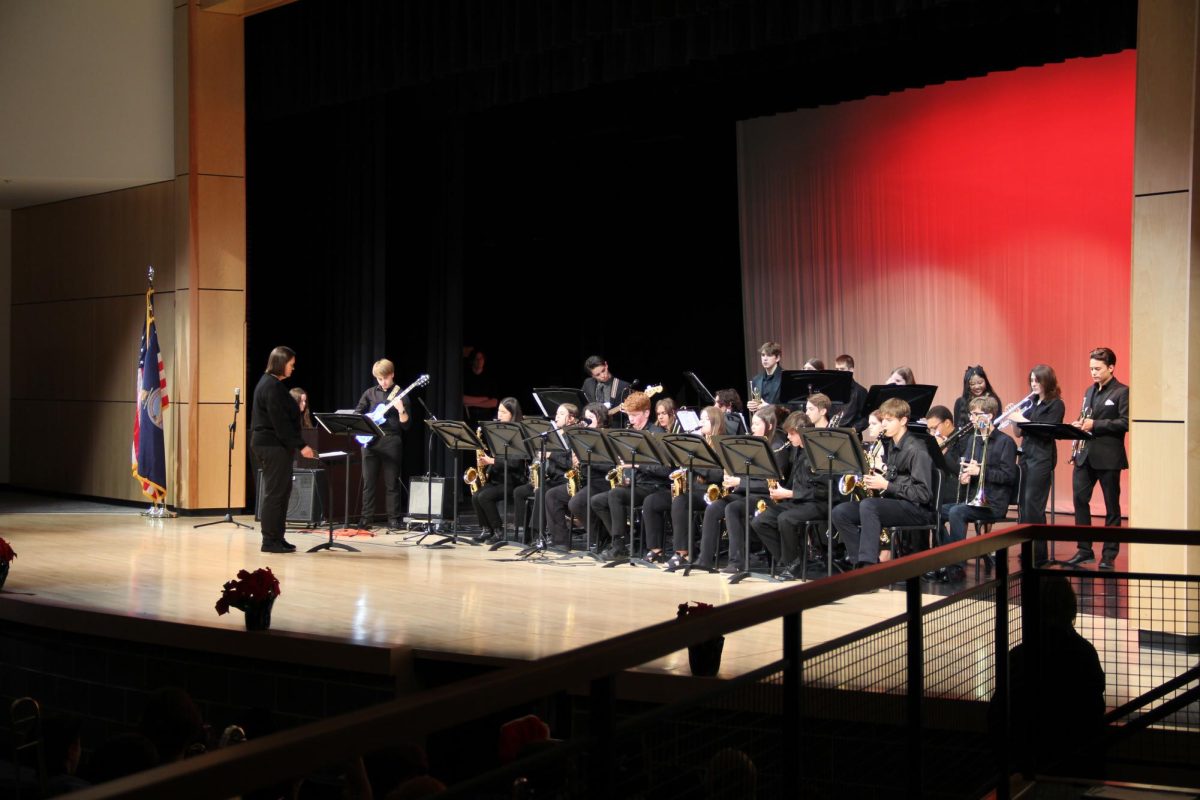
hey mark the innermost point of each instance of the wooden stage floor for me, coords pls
(464, 603)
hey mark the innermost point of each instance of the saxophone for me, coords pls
(535, 475)
(678, 482)
(761, 505)
(573, 482)
(475, 477)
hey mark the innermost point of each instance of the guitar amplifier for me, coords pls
(306, 505)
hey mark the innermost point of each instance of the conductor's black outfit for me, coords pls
(274, 439)
(1102, 459)
(384, 454)
(1039, 455)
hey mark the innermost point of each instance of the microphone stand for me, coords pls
(237, 405)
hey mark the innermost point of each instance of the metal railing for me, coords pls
(780, 704)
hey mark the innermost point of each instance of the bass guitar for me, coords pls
(381, 410)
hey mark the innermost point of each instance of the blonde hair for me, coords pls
(382, 368)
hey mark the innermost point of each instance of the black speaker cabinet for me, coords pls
(306, 506)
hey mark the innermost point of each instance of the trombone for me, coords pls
(983, 429)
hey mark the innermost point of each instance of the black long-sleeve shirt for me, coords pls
(391, 424)
(1035, 447)
(909, 472)
(274, 415)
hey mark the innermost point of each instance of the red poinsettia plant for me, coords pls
(6, 552)
(688, 609)
(249, 587)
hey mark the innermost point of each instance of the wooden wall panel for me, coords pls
(1165, 96)
(1159, 310)
(214, 447)
(218, 115)
(221, 227)
(221, 328)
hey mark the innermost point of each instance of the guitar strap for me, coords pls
(395, 391)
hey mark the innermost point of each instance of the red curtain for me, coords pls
(985, 221)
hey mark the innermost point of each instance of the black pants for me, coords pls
(276, 465)
(487, 503)
(680, 521)
(527, 513)
(1083, 483)
(859, 524)
(386, 456)
(710, 531)
(781, 528)
(612, 507)
(654, 514)
(1035, 491)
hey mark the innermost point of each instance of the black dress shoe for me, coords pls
(1106, 563)
(277, 546)
(616, 549)
(1080, 557)
(731, 569)
(486, 537)
(395, 524)
(954, 574)
(786, 575)
(933, 576)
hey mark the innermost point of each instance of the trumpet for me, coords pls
(953, 438)
(1077, 446)
(1024, 405)
(475, 477)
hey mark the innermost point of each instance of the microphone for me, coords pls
(237, 398)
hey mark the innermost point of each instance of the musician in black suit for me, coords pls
(602, 386)
(385, 453)
(488, 500)
(274, 438)
(780, 527)
(1106, 407)
(769, 383)
(1039, 454)
(854, 411)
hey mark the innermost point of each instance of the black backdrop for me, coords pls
(546, 180)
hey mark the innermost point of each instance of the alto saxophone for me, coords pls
(761, 505)
(678, 482)
(475, 477)
(535, 475)
(573, 482)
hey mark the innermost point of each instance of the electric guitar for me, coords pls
(650, 392)
(381, 410)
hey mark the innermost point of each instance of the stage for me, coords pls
(464, 603)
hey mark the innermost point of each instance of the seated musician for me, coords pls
(814, 364)
(611, 508)
(732, 506)
(901, 376)
(730, 402)
(817, 408)
(993, 454)
(904, 491)
(563, 504)
(551, 474)
(712, 424)
(766, 385)
(664, 416)
(940, 422)
(853, 413)
(487, 500)
(780, 527)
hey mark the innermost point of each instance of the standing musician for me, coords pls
(780, 527)
(901, 376)
(766, 385)
(612, 507)
(817, 408)
(664, 416)
(561, 504)
(729, 401)
(853, 412)
(602, 386)
(1039, 454)
(1106, 416)
(732, 504)
(992, 458)
(905, 490)
(274, 439)
(488, 499)
(385, 452)
(975, 384)
(712, 425)
(550, 474)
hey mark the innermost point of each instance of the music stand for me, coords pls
(540, 432)
(589, 446)
(346, 424)
(747, 457)
(832, 453)
(634, 447)
(919, 397)
(688, 451)
(834, 383)
(1056, 431)
(505, 440)
(549, 399)
(706, 397)
(456, 436)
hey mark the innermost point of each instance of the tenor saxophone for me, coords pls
(475, 477)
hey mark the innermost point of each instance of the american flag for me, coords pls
(149, 452)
